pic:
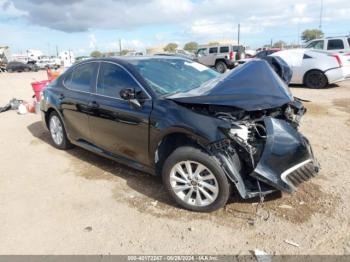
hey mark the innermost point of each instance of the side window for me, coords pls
(316, 44)
(213, 50)
(224, 49)
(81, 78)
(112, 79)
(202, 51)
(349, 41)
(334, 44)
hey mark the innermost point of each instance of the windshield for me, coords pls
(169, 76)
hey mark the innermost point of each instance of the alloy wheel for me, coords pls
(194, 183)
(56, 130)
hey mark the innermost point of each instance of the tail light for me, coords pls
(338, 60)
(231, 55)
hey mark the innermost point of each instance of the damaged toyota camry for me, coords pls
(204, 133)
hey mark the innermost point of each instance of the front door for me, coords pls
(117, 126)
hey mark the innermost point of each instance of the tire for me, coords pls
(26, 69)
(315, 79)
(9, 70)
(221, 67)
(211, 180)
(58, 132)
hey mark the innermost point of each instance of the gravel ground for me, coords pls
(74, 202)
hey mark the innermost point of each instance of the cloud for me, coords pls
(7, 9)
(215, 17)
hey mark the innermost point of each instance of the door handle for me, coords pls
(61, 97)
(93, 104)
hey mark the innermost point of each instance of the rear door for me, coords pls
(117, 126)
(75, 100)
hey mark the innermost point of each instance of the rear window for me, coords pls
(213, 50)
(335, 44)
(224, 49)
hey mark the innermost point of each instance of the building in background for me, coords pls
(67, 58)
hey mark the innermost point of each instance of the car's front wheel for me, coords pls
(57, 132)
(195, 180)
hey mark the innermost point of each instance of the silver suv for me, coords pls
(331, 44)
(221, 57)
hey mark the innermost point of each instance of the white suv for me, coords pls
(222, 57)
(331, 44)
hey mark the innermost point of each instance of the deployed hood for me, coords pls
(251, 86)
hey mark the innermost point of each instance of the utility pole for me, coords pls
(321, 14)
(56, 51)
(298, 34)
(238, 33)
(271, 43)
(120, 46)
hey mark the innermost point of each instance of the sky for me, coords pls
(87, 25)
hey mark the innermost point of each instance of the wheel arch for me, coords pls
(48, 112)
(220, 60)
(171, 141)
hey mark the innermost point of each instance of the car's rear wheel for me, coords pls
(57, 132)
(315, 79)
(221, 67)
(195, 180)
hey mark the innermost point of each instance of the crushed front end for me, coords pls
(264, 151)
(261, 149)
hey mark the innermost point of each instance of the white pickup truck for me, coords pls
(331, 44)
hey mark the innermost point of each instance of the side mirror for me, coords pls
(129, 94)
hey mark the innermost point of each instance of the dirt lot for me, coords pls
(74, 202)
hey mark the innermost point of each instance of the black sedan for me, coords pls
(21, 67)
(203, 132)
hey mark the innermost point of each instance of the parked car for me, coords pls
(45, 62)
(331, 44)
(261, 54)
(134, 53)
(313, 68)
(21, 67)
(222, 57)
(203, 132)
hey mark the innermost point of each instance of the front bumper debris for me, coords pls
(287, 159)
